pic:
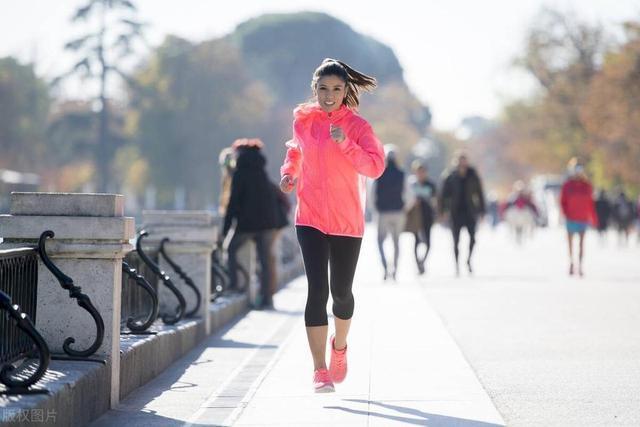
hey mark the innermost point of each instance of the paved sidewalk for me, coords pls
(404, 369)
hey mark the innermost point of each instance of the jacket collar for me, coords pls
(313, 109)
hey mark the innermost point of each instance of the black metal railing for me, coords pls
(167, 318)
(19, 339)
(184, 276)
(19, 280)
(83, 301)
(139, 297)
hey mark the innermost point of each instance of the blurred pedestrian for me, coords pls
(603, 212)
(520, 212)
(227, 164)
(623, 215)
(332, 152)
(576, 201)
(638, 218)
(389, 191)
(493, 209)
(423, 199)
(253, 208)
(462, 203)
(284, 207)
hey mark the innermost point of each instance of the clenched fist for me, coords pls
(286, 184)
(336, 133)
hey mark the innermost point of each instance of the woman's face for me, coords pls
(330, 92)
(421, 174)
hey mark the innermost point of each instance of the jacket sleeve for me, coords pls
(365, 153)
(293, 159)
(234, 203)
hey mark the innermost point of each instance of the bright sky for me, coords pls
(456, 53)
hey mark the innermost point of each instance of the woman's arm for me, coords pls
(365, 153)
(293, 160)
(234, 203)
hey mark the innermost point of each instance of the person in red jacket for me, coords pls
(576, 201)
(332, 152)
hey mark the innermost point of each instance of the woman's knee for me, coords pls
(315, 313)
(343, 306)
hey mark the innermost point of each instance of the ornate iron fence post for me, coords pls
(183, 276)
(74, 292)
(180, 309)
(142, 282)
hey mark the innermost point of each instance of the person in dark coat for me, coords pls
(389, 190)
(462, 202)
(623, 215)
(603, 210)
(284, 208)
(253, 206)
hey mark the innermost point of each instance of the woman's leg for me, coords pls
(315, 255)
(570, 242)
(237, 241)
(456, 226)
(427, 238)
(396, 228)
(580, 251)
(416, 245)
(273, 261)
(343, 258)
(382, 235)
(471, 229)
(264, 244)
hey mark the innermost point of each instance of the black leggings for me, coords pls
(319, 252)
(468, 222)
(425, 237)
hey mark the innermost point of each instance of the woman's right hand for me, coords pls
(286, 184)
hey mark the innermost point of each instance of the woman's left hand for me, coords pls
(336, 133)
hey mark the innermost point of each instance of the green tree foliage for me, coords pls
(24, 105)
(612, 114)
(71, 135)
(399, 118)
(100, 52)
(563, 55)
(192, 100)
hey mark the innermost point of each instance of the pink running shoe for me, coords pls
(338, 364)
(322, 381)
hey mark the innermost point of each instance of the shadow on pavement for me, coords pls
(146, 418)
(130, 410)
(423, 418)
(288, 312)
(222, 343)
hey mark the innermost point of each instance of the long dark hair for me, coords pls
(355, 81)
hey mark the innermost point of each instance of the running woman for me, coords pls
(332, 152)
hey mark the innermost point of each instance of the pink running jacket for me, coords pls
(331, 177)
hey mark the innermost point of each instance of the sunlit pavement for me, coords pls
(519, 342)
